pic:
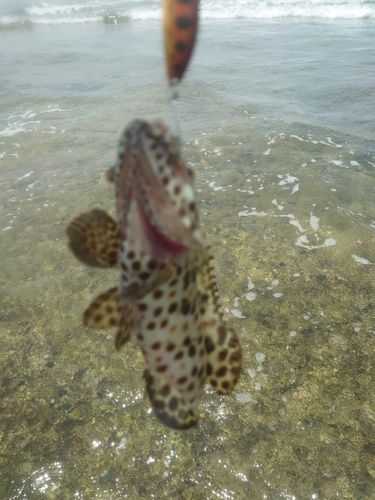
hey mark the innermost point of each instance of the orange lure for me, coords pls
(180, 29)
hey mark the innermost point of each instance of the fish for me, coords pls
(180, 19)
(167, 296)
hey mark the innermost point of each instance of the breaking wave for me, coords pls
(27, 13)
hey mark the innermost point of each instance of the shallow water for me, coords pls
(285, 180)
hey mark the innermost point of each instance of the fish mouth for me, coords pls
(155, 242)
(145, 208)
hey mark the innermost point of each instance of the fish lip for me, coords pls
(160, 246)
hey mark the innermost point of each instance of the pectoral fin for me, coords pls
(168, 404)
(104, 311)
(94, 238)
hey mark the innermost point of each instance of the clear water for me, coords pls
(277, 118)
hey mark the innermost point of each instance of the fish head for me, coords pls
(155, 197)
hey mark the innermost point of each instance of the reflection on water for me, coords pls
(289, 213)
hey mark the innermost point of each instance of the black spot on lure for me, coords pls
(180, 30)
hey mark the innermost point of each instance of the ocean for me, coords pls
(276, 116)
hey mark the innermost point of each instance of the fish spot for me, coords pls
(131, 254)
(225, 385)
(162, 368)
(204, 297)
(156, 345)
(179, 355)
(144, 276)
(109, 309)
(201, 372)
(172, 294)
(151, 326)
(191, 387)
(157, 294)
(178, 270)
(172, 329)
(213, 383)
(140, 336)
(182, 212)
(164, 323)
(173, 404)
(202, 352)
(222, 331)
(181, 47)
(165, 180)
(172, 307)
(136, 265)
(98, 318)
(209, 369)
(185, 306)
(113, 321)
(95, 305)
(194, 371)
(192, 351)
(183, 22)
(223, 354)
(164, 391)
(158, 311)
(187, 341)
(233, 342)
(171, 347)
(153, 264)
(192, 206)
(173, 282)
(182, 380)
(209, 345)
(221, 371)
(142, 306)
(185, 328)
(235, 357)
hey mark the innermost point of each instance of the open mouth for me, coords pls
(158, 244)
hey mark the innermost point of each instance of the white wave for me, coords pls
(92, 11)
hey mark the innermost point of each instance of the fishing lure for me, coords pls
(180, 29)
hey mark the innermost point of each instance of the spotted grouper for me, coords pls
(167, 294)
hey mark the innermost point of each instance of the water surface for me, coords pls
(277, 120)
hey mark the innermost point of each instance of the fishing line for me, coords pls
(173, 101)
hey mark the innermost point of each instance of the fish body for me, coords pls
(167, 295)
(180, 29)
